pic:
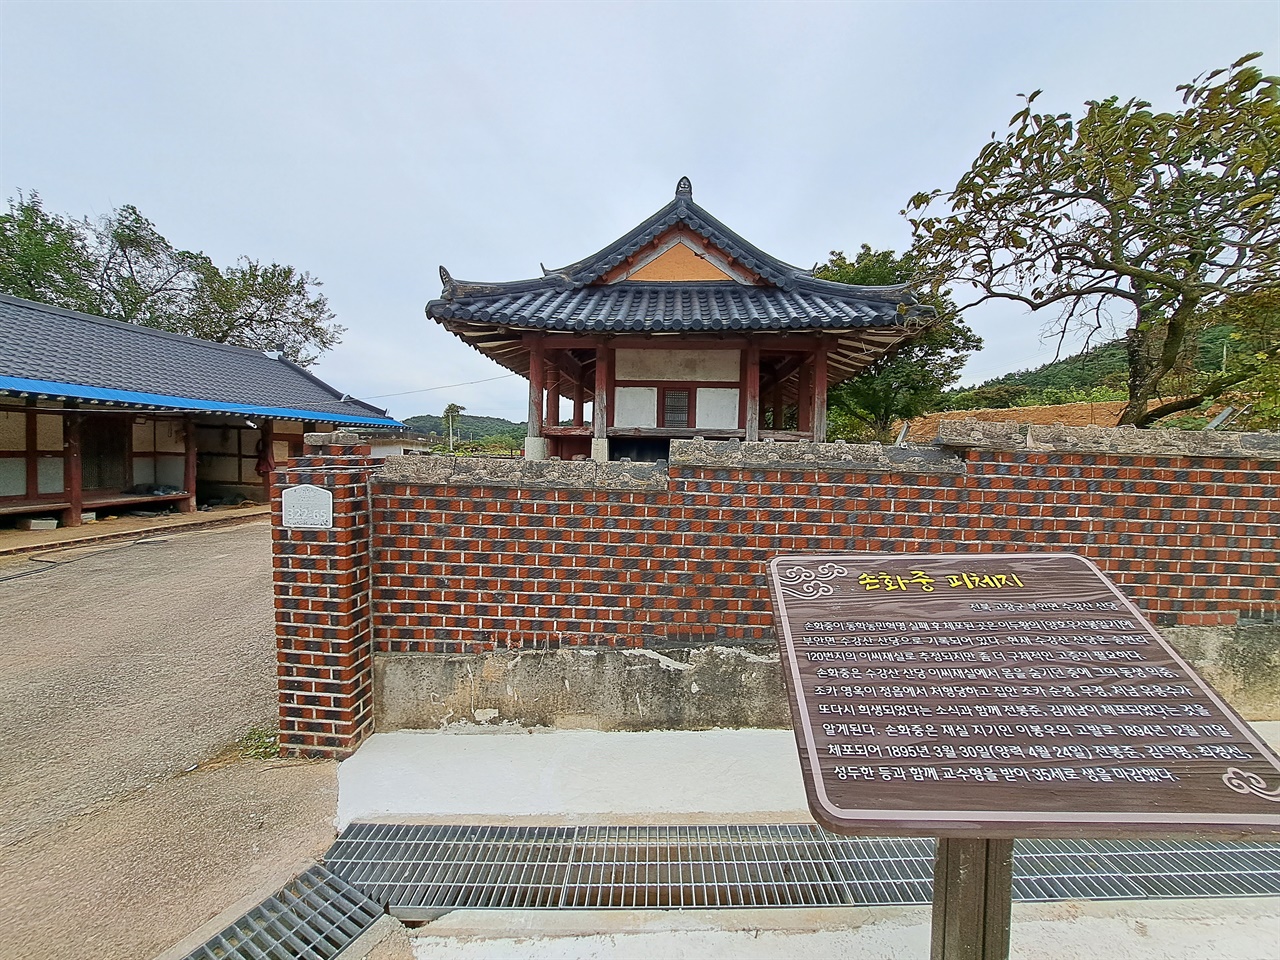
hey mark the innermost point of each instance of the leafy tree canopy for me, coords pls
(121, 267)
(1255, 336)
(910, 380)
(1157, 219)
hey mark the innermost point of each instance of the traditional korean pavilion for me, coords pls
(679, 328)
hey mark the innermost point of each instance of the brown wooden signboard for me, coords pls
(1004, 695)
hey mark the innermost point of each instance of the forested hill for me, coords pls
(467, 427)
(1097, 374)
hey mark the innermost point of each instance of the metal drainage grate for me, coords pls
(313, 917)
(421, 871)
(1139, 869)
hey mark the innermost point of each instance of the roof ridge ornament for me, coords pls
(684, 188)
(450, 285)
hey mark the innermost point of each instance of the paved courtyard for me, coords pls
(131, 671)
(130, 817)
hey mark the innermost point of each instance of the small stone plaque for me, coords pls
(1004, 695)
(307, 507)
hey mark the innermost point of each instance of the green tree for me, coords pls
(121, 267)
(251, 305)
(910, 380)
(1157, 218)
(140, 276)
(45, 257)
(1255, 320)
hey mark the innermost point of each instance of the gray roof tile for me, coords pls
(571, 298)
(39, 342)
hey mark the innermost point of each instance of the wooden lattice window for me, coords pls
(676, 407)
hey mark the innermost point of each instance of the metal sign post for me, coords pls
(980, 697)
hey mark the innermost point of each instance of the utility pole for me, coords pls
(451, 414)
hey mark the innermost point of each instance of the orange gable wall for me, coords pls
(680, 263)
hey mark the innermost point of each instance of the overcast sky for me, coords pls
(367, 143)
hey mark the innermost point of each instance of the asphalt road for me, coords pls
(129, 672)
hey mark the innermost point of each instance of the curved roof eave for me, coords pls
(159, 402)
(681, 209)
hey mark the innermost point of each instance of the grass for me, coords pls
(260, 744)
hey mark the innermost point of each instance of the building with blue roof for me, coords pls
(96, 414)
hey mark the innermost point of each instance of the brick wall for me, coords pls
(469, 556)
(324, 655)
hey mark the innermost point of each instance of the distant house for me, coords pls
(96, 414)
(678, 328)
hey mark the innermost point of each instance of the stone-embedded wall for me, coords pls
(474, 555)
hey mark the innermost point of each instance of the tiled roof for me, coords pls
(682, 210)
(59, 352)
(644, 306)
(573, 299)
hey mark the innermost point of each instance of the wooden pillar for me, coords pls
(552, 416)
(579, 399)
(72, 469)
(600, 405)
(752, 386)
(33, 452)
(537, 360)
(267, 431)
(804, 397)
(820, 393)
(189, 466)
(972, 897)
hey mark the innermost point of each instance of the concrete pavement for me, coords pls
(507, 774)
(512, 774)
(127, 817)
(125, 527)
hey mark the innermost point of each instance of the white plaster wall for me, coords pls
(694, 365)
(169, 437)
(13, 432)
(170, 471)
(217, 469)
(13, 476)
(635, 406)
(144, 471)
(144, 439)
(49, 475)
(718, 408)
(49, 432)
(216, 440)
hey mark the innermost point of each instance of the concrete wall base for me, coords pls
(701, 687)
(688, 688)
(1241, 662)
